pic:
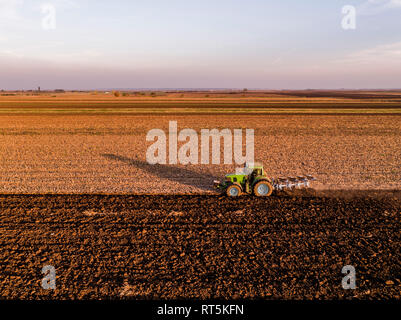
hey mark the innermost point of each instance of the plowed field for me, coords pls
(199, 246)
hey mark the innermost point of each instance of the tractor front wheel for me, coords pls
(233, 191)
(263, 189)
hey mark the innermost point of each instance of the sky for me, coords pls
(282, 44)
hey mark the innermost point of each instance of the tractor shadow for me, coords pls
(172, 173)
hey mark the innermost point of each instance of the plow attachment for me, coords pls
(292, 182)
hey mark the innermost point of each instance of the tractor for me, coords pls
(252, 179)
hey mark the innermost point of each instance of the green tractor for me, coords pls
(253, 180)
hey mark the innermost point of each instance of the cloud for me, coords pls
(383, 55)
(86, 55)
(68, 3)
(54, 52)
(9, 9)
(61, 4)
(372, 7)
(10, 53)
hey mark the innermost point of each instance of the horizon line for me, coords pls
(39, 89)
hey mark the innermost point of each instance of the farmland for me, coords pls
(270, 102)
(200, 247)
(76, 192)
(106, 153)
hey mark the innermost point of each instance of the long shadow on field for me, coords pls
(184, 176)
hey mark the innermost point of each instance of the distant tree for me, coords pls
(116, 93)
(245, 90)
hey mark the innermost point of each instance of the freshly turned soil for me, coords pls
(200, 246)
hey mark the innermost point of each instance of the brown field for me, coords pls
(208, 102)
(106, 153)
(78, 194)
(199, 247)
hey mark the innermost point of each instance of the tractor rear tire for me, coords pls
(233, 191)
(263, 189)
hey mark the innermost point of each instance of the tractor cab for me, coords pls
(251, 168)
(254, 169)
(248, 172)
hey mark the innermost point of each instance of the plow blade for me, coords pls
(292, 182)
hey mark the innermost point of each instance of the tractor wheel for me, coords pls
(233, 191)
(263, 189)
